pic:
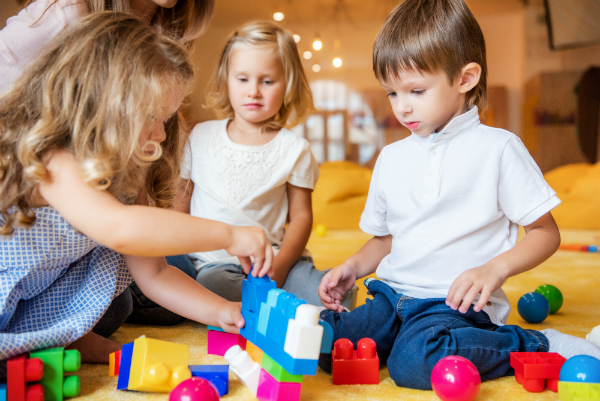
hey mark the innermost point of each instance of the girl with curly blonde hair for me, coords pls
(88, 167)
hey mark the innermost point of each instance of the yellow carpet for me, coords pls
(574, 273)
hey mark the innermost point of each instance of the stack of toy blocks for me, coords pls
(21, 371)
(219, 341)
(152, 365)
(114, 364)
(537, 370)
(350, 366)
(284, 340)
(218, 375)
(57, 361)
(570, 391)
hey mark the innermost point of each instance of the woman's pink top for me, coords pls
(27, 34)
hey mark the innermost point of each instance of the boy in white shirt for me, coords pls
(444, 208)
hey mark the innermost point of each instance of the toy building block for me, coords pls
(350, 366)
(114, 363)
(244, 367)
(304, 334)
(215, 328)
(536, 370)
(219, 342)
(270, 389)
(276, 313)
(158, 366)
(327, 341)
(254, 292)
(57, 361)
(125, 366)
(279, 373)
(255, 353)
(570, 391)
(2, 391)
(218, 375)
(20, 371)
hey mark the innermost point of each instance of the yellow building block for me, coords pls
(111, 365)
(158, 366)
(255, 353)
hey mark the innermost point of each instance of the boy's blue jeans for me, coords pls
(412, 335)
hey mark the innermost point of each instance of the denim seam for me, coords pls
(540, 344)
(400, 306)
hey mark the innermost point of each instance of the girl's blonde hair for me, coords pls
(186, 21)
(91, 93)
(297, 102)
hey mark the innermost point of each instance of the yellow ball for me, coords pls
(321, 230)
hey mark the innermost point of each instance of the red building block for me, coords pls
(350, 366)
(20, 371)
(537, 370)
(219, 342)
(114, 363)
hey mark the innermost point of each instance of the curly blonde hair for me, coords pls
(92, 93)
(186, 21)
(297, 102)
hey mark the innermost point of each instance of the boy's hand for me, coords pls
(480, 280)
(335, 284)
(230, 317)
(252, 241)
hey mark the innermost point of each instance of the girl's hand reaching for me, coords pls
(335, 284)
(252, 242)
(230, 317)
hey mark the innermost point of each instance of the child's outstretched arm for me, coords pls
(300, 219)
(339, 280)
(142, 230)
(542, 239)
(176, 291)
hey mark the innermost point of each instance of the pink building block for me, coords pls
(270, 389)
(219, 342)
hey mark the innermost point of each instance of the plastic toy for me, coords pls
(455, 378)
(536, 370)
(255, 353)
(594, 336)
(579, 247)
(553, 295)
(581, 369)
(275, 314)
(125, 368)
(304, 334)
(350, 366)
(568, 391)
(244, 367)
(194, 389)
(218, 375)
(321, 230)
(219, 342)
(533, 307)
(158, 366)
(114, 363)
(270, 389)
(57, 361)
(20, 371)
(278, 373)
(2, 391)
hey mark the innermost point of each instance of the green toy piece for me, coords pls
(56, 362)
(553, 295)
(279, 373)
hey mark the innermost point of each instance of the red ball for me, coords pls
(455, 378)
(194, 389)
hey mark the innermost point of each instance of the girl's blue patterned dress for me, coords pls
(55, 284)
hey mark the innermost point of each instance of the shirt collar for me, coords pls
(458, 124)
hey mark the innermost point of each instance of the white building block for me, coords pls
(244, 367)
(594, 336)
(304, 334)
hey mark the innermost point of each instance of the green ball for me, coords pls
(553, 295)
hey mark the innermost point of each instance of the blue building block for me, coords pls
(216, 374)
(215, 328)
(275, 314)
(327, 342)
(125, 368)
(3, 392)
(249, 329)
(254, 292)
(291, 365)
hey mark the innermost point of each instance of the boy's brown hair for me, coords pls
(429, 36)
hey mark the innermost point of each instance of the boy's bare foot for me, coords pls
(94, 348)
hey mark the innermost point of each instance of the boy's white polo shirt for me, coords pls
(451, 204)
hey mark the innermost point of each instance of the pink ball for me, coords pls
(194, 389)
(455, 378)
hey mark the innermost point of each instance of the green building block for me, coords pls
(278, 372)
(56, 362)
(569, 391)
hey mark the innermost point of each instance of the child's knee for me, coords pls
(411, 371)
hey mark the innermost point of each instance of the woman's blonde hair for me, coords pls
(186, 21)
(432, 36)
(297, 102)
(92, 93)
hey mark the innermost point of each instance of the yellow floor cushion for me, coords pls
(340, 195)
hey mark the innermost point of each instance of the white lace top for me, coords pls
(245, 185)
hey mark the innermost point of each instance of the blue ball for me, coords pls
(533, 307)
(581, 369)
